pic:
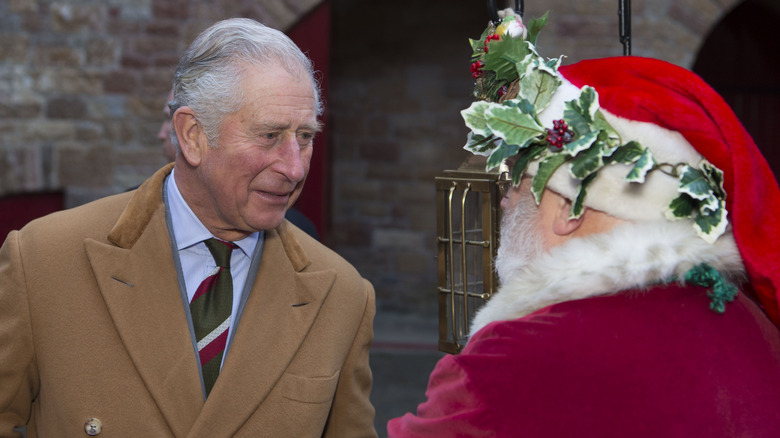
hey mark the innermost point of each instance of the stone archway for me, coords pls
(674, 30)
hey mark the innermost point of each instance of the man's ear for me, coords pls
(562, 224)
(192, 139)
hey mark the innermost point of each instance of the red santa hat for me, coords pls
(681, 119)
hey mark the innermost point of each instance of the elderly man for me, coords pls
(189, 307)
(638, 259)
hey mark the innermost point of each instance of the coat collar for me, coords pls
(138, 279)
(631, 256)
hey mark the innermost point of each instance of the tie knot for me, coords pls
(221, 251)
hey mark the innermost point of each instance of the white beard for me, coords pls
(630, 256)
(521, 241)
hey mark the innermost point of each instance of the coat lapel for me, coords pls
(139, 283)
(281, 308)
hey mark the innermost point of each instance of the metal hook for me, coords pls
(493, 10)
(624, 12)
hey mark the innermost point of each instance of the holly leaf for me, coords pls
(513, 125)
(644, 164)
(474, 116)
(539, 81)
(581, 143)
(535, 26)
(501, 153)
(523, 105)
(580, 113)
(479, 145)
(524, 157)
(588, 161)
(478, 45)
(589, 102)
(578, 206)
(502, 57)
(547, 167)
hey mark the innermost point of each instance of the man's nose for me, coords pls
(291, 160)
(165, 131)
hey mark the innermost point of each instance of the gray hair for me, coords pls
(209, 73)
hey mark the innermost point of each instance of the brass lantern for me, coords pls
(468, 218)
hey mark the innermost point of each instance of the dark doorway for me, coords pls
(17, 210)
(741, 60)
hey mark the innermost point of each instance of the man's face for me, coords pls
(521, 237)
(257, 169)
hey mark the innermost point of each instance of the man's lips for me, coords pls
(274, 196)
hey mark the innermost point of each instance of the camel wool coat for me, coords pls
(93, 330)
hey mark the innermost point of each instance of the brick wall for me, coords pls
(83, 83)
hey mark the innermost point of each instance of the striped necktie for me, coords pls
(210, 308)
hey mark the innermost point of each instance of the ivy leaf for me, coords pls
(474, 116)
(715, 177)
(578, 206)
(643, 165)
(547, 167)
(709, 205)
(524, 157)
(681, 207)
(500, 154)
(694, 183)
(710, 226)
(535, 26)
(628, 153)
(588, 162)
(513, 125)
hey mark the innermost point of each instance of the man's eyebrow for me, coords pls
(270, 126)
(317, 127)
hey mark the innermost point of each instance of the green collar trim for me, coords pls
(721, 291)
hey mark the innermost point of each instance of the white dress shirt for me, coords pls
(195, 259)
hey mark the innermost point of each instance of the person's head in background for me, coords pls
(165, 135)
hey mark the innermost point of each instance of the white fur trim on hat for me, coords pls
(610, 192)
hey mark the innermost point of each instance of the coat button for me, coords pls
(93, 426)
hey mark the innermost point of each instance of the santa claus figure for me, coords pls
(639, 259)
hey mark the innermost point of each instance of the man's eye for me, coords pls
(270, 136)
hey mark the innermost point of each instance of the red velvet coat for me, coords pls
(645, 362)
(657, 364)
